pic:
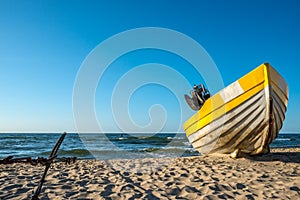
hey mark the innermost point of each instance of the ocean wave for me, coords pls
(152, 140)
(282, 139)
(71, 152)
(163, 149)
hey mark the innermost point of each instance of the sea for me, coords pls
(111, 146)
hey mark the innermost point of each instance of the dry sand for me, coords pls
(276, 175)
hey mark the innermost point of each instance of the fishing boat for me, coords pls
(243, 118)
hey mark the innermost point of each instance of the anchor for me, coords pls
(48, 164)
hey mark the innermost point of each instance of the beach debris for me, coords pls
(38, 160)
(68, 160)
(48, 163)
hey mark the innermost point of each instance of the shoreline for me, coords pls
(205, 177)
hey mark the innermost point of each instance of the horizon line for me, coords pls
(50, 132)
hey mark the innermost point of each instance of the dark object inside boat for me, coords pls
(199, 95)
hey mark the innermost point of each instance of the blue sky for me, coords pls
(43, 44)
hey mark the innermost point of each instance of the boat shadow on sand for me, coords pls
(287, 157)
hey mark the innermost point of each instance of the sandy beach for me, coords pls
(276, 175)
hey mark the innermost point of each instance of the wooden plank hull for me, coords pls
(245, 116)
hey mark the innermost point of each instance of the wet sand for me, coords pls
(275, 175)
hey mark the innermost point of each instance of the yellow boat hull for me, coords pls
(245, 116)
